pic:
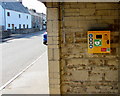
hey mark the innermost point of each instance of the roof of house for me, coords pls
(15, 6)
(34, 13)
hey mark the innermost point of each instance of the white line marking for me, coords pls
(1, 88)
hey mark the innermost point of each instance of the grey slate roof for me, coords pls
(15, 6)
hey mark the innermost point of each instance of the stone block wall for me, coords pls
(53, 48)
(4, 34)
(8, 33)
(24, 31)
(80, 72)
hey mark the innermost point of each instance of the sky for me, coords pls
(34, 4)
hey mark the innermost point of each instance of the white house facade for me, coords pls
(17, 20)
(2, 23)
(15, 16)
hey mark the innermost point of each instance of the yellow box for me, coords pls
(99, 42)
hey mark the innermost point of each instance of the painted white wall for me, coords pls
(2, 22)
(14, 19)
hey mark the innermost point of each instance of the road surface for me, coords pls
(19, 53)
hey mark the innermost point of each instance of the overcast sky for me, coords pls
(34, 4)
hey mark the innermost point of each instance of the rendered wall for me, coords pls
(14, 19)
(2, 16)
(80, 72)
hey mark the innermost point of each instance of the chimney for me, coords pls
(20, 1)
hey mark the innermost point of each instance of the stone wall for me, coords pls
(119, 55)
(24, 31)
(4, 34)
(81, 72)
(7, 33)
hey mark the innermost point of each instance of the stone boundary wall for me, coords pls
(4, 34)
(7, 33)
(24, 31)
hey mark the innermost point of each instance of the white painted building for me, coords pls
(14, 16)
(2, 23)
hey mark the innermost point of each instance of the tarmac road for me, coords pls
(19, 53)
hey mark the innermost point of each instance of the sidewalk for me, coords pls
(33, 81)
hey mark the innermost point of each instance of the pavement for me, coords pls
(33, 80)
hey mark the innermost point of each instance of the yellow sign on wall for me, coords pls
(99, 42)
